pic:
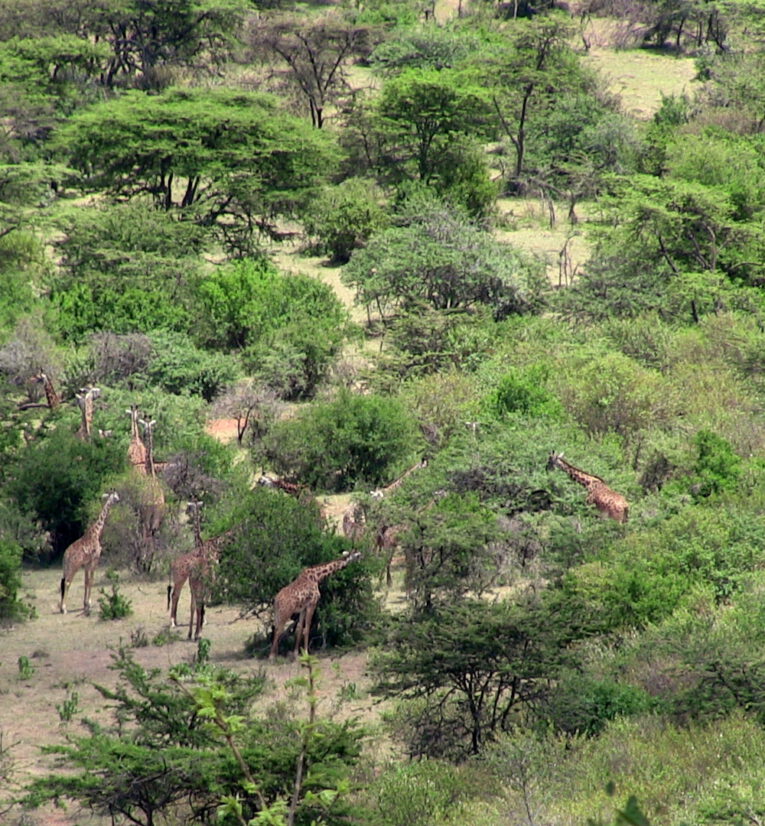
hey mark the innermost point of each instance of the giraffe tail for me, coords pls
(169, 594)
(62, 586)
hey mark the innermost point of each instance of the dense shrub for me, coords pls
(288, 327)
(278, 536)
(349, 441)
(11, 606)
(57, 478)
(343, 217)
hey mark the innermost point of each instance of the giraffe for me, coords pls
(136, 448)
(85, 399)
(198, 567)
(381, 493)
(53, 398)
(152, 509)
(84, 553)
(301, 597)
(607, 501)
(292, 488)
(354, 521)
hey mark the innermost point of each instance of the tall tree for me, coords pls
(226, 159)
(420, 113)
(314, 56)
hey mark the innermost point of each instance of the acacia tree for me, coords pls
(314, 56)
(420, 113)
(437, 258)
(226, 159)
(529, 73)
(473, 668)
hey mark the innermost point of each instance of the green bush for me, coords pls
(10, 581)
(523, 391)
(349, 441)
(583, 704)
(283, 324)
(58, 477)
(343, 217)
(278, 537)
(114, 605)
(178, 366)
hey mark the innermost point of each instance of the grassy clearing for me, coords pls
(71, 652)
(640, 78)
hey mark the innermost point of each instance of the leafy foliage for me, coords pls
(437, 258)
(242, 159)
(349, 441)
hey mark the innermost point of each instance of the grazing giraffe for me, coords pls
(136, 448)
(85, 553)
(301, 492)
(292, 488)
(53, 398)
(85, 400)
(301, 597)
(607, 501)
(198, 564)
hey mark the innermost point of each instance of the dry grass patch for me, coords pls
(641, 77)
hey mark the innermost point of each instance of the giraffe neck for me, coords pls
(317, 573)
(50, 392)
(398, 482)
(585, 479)
(97, 528)
(134, 434)
(197, 528)
(149, 450)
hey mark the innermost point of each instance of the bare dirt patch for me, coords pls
(224, 430)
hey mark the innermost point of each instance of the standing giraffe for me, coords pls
(152, 508)
(607, 501)
(198, 567)
(53, 398)
(354, 522)
(85, 400)
(181, 566)
(136, 448)
(84, 553)
(301, 597)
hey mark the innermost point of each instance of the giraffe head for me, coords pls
(111, 497)
(553, 460)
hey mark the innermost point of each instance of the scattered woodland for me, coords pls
(518, 494)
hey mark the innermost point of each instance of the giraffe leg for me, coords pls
(65, 583)
(192, 612)
(200, 619)
(86, 596)
(280, 626)
(307, 620)
(299, 631)
(175, 595)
